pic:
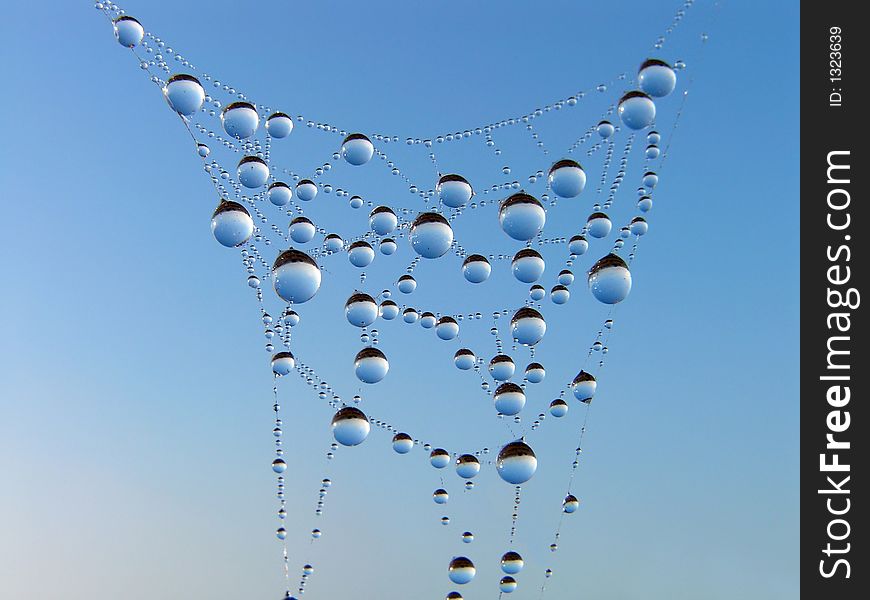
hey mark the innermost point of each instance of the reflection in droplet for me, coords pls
(279, 125)
(360, 254)
(302, 230)
(656, 78)
(558, 408)
(184, 94)
(522, 216)
(610, 279)
(516, 463)
(509, 399)
(306, 190)
(357, 149)
(402, 443)
(637, 110)
(361, 310)
(350, 426)
(253, 172)
(231, 224)
(464, 359)
(296, 276)
(371, 365)
(454, 190)
(461, 570)
(584, 386)
(567, 178)
(128, 31)
(511, 562)
(280, 193)
(283, 363)
(528, 326)
(431, 235)
(528, 265)
(383, 220)
(467, 466)
(476, 268)
(240, 119)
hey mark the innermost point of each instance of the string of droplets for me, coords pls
(256, 150)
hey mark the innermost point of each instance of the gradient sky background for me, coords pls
(134, 413)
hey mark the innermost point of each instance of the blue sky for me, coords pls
(134, 438)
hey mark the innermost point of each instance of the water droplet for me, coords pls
(296, 276)
(371, 365)
(461, 570)
(431, 235)
(350, 426)
(240, 120)
(302, 230)
(610, 280)
(567, 178)
(128, 31)
(522, 216)
(656, 78)
(516, 463)
(279, 125)
(637, 110)
(454, 190)
(528, 326)
(231, 224)
(476, 268)
(584, 386)
(184, 94)
(509, 399)
(528, 265)
(283, 363)
(402, 443)
(357, 149)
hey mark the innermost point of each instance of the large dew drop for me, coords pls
(476, 268)
(511, 563)
(370, 365)
(567, 178)
(240, 120)
(522, 216)
(461, 570)
(296, 276)
(357, 149)
(610, 279)
(283, 363)
(280, 193)
(253, 172)
(128, 31)
(184, 94)
(350, 426)
(360, 254)
(502, 367)
(528, 265)
(402, 443)
(637, 110)
(656, 78)
(467, 466)
(464, 359)
(528, 326)
(516, 463)
(454, 190)
(302, 230)
(431, 235)
(584, 386)
(598, 225)
(383, 220)
(509, 399)
(361, 310)
(447, 328)
(231, 224)
(279, 125)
